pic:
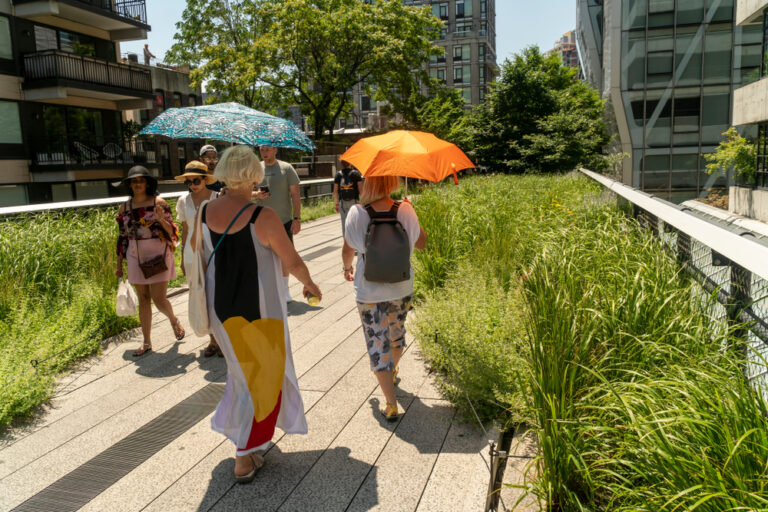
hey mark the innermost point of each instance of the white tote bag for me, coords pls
(126, 299)
(194, 265)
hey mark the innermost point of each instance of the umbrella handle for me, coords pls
(455, 178)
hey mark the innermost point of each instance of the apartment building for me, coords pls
(468, 61)
(668, 70)
(65, 97)
(566, 48)
(750, 103)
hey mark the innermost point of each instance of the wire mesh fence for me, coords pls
(726, 288)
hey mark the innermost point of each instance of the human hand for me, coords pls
(312, 289)
(295, 226)
(259, 194)
(159, 212)
(119, 272)
(349, 273)
(336, 206)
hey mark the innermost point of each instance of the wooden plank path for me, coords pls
(96, 435)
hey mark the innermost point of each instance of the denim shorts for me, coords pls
(384, 329)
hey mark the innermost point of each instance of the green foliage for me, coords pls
(577, 322)
(443, 113)
(275, 53)
(538, 118)
(735, 152)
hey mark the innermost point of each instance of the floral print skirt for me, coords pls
(384, 329)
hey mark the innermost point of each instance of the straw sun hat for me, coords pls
(196, 168)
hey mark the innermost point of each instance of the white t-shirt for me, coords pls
(354, 233)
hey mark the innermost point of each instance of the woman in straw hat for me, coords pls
(196, 177)
(146, 232)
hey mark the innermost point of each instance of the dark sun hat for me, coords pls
(135, 172)
(196, 168)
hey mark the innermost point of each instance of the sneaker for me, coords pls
(390, 412)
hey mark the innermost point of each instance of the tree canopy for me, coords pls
(734, 152)
(270, 54)
(537, 118)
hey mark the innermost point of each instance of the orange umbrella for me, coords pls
(407, 154)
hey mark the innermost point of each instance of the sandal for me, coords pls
(178, 330)
(211, 350)
(145, 347)
(248, 477)
(390, 412)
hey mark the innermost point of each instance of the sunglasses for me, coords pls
(195, 181)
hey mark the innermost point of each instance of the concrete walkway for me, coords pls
(134, 434)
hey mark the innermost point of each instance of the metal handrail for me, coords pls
(750, 255)
(111, 201)
(52, 64)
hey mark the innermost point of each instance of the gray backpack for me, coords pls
(387, 257)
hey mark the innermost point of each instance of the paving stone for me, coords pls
(519, 471)
(403, 468)
(203, 485)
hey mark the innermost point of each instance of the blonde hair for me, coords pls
(239, 167)
(377, 187)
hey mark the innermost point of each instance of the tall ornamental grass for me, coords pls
(580, 324)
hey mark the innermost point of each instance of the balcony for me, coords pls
(68, 154)
(123, 20)
(53, 74)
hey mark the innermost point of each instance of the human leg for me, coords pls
(158, 292)
(145, 318)
(246, 467)
(375, 320)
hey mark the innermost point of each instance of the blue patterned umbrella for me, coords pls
(229, 122)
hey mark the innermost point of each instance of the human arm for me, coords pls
(347, 255)
(421, 242)
(336, 196)
(271, 233)
(184, 236)
(164, 217)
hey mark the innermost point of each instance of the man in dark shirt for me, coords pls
(347, 186)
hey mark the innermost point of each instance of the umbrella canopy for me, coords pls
(229, 122)
(408, 154)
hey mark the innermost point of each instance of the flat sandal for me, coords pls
(248, 477)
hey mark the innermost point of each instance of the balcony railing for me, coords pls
(132, 10)
(55, 64)
(70, 153)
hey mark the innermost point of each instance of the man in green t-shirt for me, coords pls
(280, 191)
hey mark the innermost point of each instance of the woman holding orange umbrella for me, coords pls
(383, 300)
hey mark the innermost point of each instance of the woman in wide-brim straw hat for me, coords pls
(196, 176)
(147, 231)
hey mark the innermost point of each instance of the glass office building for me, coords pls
(668, 70)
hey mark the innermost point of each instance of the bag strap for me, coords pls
(227, 231)
(386, 215)
(135, 233)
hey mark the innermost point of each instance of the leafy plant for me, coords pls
(735, 152)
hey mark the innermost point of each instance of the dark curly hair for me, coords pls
(151, 186)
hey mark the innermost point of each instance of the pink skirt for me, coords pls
(149, 249)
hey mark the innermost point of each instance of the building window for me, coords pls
(365, 103)
(461, 74)
(443, 32)
(440, 10)
(762, 155)
(6, 51)
(176, 100)
(483, 31)
(481, 53)
(482, 94)
(764, 67)
(441, 74)
(191, 100)
(159, 101)
(466, 93)
(459, 8)
(483, 9)
(461, 52)
(10, 128)
(463, 29)
(481, 70)
(45, 39)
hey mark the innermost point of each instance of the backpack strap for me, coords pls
(386, 215)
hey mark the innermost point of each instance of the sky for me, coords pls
(519, 23)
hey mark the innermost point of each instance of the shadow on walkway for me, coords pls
(292, 482)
